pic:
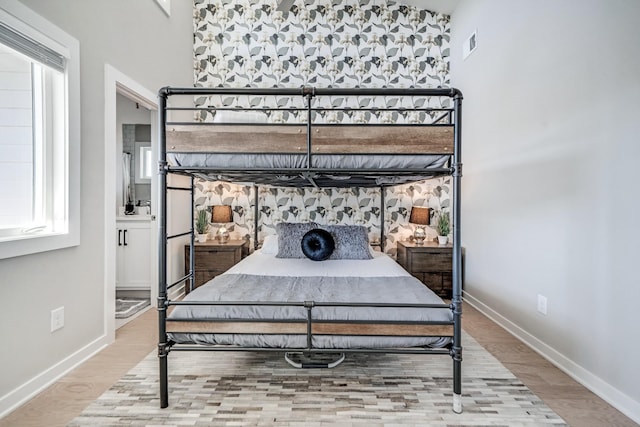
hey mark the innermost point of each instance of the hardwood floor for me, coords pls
(65, 399)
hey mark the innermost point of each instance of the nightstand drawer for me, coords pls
(430, 262)
(221, 260)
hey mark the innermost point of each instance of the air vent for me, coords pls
(470, 44)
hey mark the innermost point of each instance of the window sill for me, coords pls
(27, 244)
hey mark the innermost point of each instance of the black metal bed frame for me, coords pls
(454, 169)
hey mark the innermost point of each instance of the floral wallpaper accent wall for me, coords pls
(325, 206)
(321, 43)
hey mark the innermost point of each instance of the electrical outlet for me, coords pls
(57, 319)
(542, 304)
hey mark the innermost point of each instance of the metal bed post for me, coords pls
(456, 350)
(162, 250)
(192, 242)
(256, 212)
(382, 209)
(308, 94)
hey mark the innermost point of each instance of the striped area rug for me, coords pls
(261, 389)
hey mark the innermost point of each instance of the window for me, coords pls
(144, 163)
(39, 134)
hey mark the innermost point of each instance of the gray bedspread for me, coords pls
(245, 287)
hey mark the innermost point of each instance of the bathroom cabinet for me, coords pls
(133, 254)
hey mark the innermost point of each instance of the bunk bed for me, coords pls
(371, 305)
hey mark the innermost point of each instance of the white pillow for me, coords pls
(228, 116)
(270, 245)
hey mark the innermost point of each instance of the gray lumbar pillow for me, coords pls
(351, 241)
(289, 237)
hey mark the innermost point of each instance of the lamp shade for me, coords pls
(221, 214)
(419, 216)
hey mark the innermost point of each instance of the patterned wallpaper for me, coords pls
(321, 43)
(325, 206)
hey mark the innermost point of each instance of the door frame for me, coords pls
(118, 83)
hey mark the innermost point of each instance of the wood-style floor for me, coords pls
(64, 400)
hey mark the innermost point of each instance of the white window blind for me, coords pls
(17, 148)
(31, 48)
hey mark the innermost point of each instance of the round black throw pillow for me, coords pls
(317, 244)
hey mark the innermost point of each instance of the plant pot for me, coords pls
(201, 238)
(443, 240)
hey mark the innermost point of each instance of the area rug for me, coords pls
(261, 389)
(127, 307)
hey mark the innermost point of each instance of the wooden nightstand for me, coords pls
(431, 263)
(213, 258)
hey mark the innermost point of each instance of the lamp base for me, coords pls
(223, 235)
(419, 235)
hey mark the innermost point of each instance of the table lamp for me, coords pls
(420, 217)
(222, 214)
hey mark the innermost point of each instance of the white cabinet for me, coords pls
(133, 256)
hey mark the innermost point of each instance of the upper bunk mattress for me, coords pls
(289, 170)
(299, 161)
(239, 146)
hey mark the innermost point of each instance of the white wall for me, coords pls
(550, 187)
(137, 38)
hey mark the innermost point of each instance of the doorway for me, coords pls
(134, 222)
(130, 111)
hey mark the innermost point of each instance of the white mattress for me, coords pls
(261, 264)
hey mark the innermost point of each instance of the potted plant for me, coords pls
(202, 225)
(443, 228)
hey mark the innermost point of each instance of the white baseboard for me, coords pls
(17, 397)
(597, 385)
(177, 293)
